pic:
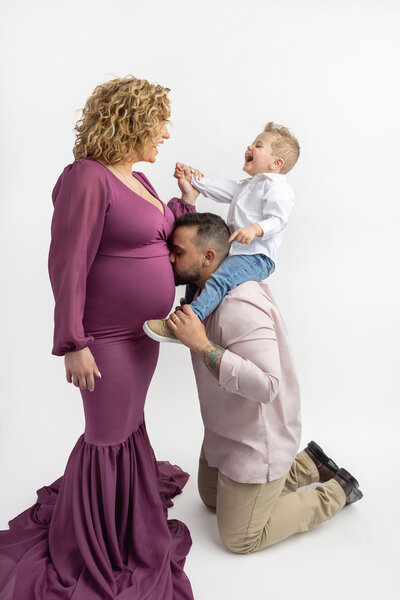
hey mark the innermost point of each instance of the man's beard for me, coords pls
(187, 277)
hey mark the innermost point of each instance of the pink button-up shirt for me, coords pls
(251, 414)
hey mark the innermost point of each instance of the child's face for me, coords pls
(259, 157)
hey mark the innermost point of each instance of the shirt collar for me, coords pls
(264, 176)
(272, 176)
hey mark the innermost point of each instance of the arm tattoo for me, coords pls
(212, 354)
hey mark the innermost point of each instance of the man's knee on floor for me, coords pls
(208, 504)
(208, 499)
(240, 544)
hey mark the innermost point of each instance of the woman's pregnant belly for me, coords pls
(122, 293)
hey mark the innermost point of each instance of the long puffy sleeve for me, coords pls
(179, 207)
(81, 201)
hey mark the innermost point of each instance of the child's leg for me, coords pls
(231, 272)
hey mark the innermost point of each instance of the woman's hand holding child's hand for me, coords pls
(183, 173)
(189, 193)
(245, 235)
(182, 170)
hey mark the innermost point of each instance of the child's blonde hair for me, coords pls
(284, 145)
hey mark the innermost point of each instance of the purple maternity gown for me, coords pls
(101, 531)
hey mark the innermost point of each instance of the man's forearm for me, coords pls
(212, 355)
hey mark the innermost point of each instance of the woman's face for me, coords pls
(150, 150)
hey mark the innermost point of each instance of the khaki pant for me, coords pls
(253, 516)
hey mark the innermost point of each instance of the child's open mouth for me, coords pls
(248, 157)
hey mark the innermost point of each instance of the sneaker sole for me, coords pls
(159, 338)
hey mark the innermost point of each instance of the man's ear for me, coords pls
(209, 257)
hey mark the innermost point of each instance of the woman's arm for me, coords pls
(186, 203)
(80, 205)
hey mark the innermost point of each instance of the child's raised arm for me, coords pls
(218, 190)
(182, 170)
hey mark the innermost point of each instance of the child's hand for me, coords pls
(182, 170)
(189, 193)
(245, 235)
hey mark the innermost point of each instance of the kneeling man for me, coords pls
(250, 403)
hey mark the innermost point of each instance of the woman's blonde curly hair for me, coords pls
(119, 118)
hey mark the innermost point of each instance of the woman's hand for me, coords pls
(189, 193)
(81, 368)
(182, 170)
(188, 328)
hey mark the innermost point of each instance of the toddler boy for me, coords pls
(258, 214)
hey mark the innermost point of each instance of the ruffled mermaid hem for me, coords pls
(100, 530)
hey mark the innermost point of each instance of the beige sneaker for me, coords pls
(159, 331)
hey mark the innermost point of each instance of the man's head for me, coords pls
(199, 244)
(275, 150)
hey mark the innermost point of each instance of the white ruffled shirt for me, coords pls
(265, 198)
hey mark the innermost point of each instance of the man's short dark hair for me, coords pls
(212, 231)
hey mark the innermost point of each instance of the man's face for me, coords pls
(185, 257)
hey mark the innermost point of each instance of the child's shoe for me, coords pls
(159, 331)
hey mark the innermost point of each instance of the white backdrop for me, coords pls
(329, 71)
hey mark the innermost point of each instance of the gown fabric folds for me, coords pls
(101, 530)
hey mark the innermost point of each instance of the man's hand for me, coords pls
(245, 235)
(188, 328)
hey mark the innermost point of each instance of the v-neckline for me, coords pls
(136, 194)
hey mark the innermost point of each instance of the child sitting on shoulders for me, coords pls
(258, 215)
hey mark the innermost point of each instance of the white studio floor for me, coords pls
(325, 69)
(355, 555)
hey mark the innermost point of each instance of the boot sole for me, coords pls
(351, 480)
(320, 454)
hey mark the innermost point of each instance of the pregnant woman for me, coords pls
(100, 531)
